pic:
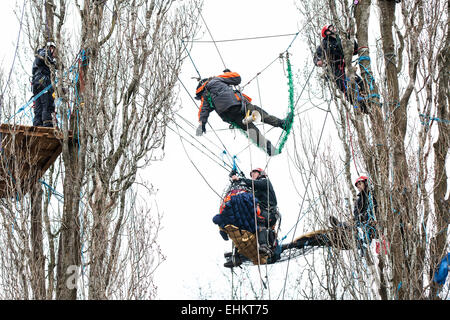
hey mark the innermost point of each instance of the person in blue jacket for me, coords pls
(44, 105)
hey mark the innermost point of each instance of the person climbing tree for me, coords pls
(44, 105)
(269, 214)
(330, 53)
(232, 106)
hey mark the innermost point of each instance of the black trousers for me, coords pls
(265, 222)
(346, 88)
(44, 106)
(235, 115)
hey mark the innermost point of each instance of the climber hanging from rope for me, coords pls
(269, 214)
(340, 235)
(235, 108)
(245, 201)
(330, 53)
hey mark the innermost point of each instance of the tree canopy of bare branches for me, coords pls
(401, 144)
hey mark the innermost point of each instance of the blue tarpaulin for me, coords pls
(237, 209)
(441, 273)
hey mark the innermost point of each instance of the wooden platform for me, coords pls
(26, 153)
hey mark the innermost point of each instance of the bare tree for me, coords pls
(404, 158)
(115, 86)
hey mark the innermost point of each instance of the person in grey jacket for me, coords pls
(217, 93)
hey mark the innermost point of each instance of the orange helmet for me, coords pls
(362, 178)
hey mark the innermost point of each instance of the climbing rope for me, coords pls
(248, 38)
(304, 196)
(428, 119)
(73, 70)
(210, 34)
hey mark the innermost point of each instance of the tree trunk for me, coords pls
(69, 251)
(441, 150)
(38, 260)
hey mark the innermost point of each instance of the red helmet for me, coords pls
(362, 178)
(262, 173)
(325, 29)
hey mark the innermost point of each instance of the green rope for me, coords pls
(290, 115)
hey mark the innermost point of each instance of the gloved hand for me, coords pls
(232, 173)
(201, 129)
(335, 223)
(42, 80)
(224, 235)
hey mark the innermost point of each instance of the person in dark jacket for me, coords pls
(232, 106)
(44, 105)
(364, 209)
(330, 53)
(269, 214)
(365, 205)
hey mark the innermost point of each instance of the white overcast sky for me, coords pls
(190, 241)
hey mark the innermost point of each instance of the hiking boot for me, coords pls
(48, 124)
(334, 222)
(228, 264)
(284, 123)
(271, 150)
(233, 261)
(265, 250)
(362, 105)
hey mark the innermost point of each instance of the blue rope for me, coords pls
(190, 58)
(45, 90)
(432, 119)
(372, 79)
(370, 82)
(358, 97)
(30, 101)
(234, 165)
(53, 191)
(398, 289)
(367, 58)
